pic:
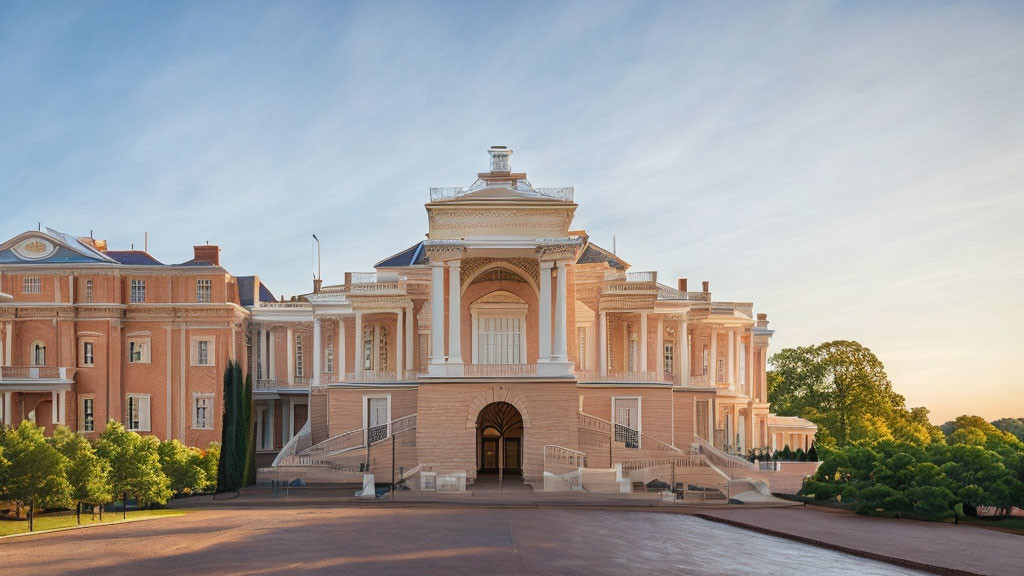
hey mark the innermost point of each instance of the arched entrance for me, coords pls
(499, 432)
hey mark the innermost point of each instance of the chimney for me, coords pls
(256, 291)
(707, 286)
(762, 320)
(316, 285)
(348, 280)
(682, 284)
(499, 158)
(208, 253)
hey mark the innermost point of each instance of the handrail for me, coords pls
(357, 438)
(588, 421)
(290, 448)
(635, 376)
(721, 459)
(567, 456)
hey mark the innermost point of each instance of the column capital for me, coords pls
(443, 250)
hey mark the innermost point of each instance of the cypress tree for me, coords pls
(227, 439)
(250, 443)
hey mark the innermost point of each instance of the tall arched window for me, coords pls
(499, 328)
(298, 355)
(38, 353)
(367, 347)
(88, 290)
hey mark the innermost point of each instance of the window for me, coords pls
(87, 420)
(382, 348)
(702, 418)
(138, 412)
(704, 360)
(377, 419)
(500, 340)
(202, 414)
(720, 371)
(298, 355)
(138, 351)
(204, 289)
(38, 353)
(582, 333)
(203, 352)
(634, 348)
(329, 362)
(31, 286)
(743, 364)
(87, 354)
(367, 347)
(138, 291)
(88, 291)
(627, 421)
(669, 356)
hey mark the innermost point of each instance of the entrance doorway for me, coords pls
(499, 440)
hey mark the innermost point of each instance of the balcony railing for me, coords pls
(36, 373)
(498, 370)
(647, 276)
(377, 288)
(700, 380)
(630, 288)
(631, 377)
(372, 376)
(270, 385)
(627, 435)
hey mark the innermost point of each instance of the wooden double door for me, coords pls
(491, 450)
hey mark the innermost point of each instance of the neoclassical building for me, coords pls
(508, 342)
(89, 334)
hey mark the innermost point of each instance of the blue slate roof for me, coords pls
(133, 258)
(412, 256)
(245, 284)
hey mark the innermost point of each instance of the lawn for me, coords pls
(67, 519)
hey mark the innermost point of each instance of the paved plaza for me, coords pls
(379, 538)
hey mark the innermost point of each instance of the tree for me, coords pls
(134, 464)
(1013, 426)
(842, 387)
(183, 466)
(37, 471)
(87, 473)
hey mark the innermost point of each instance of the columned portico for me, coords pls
(454, 312)
(544, 344)
(560, 354)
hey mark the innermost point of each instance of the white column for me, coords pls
(544, 330)
(683, 345)
(644, 367)
(317, 352)
(339, 357)
(399, 344)
(55, 416)
(454, 312)
(8, 411)
(730, 363)
(560, 352)
(659, 353)
(290, 354)
(9, 337)
(602, 343)
(750, 368)
(436, 313)
(271, 360)
(713, 361)
(261, 351)
(62, 410)
(408, 339)
(358, 356)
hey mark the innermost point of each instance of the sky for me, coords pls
(854, 169)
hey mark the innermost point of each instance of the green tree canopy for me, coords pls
(183, 466)
(86, 472)
(37, 471)
(842, 387)
(134, 464)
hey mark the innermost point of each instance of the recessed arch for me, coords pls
(526, 276)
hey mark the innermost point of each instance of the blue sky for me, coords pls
(855, 169)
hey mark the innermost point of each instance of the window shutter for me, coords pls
(144, 414)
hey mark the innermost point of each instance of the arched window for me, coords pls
(367, 347)
(499, 329)
(38, 353)
(88, 290)
(298, 355)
